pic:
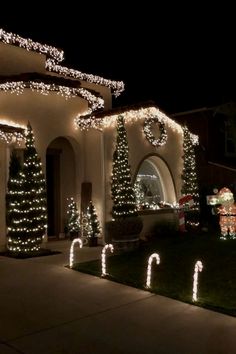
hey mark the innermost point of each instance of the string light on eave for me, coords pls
(18, 88)
(12, 136)
(129, 117)
(132, 116)
(116, 86)
(29, 44)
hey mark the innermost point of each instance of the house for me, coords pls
(75, 129)
(216, 153)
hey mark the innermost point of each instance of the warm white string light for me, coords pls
(116, 86)
(76, 240)
(198, 268)
(105, 248)
(194, 138)
(11, 124)
(149, 268)
(18, 88)
(11, 132)
(28, 44)
(131, 116)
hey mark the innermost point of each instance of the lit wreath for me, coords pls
(149, 135)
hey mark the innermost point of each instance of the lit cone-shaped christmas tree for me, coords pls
(73, 224)
(123, 195)
(189, 175)
(26, 231)
(93, 223)
(13, 188)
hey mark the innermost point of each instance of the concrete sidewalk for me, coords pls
(48, 308)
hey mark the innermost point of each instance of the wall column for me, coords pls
(4, 162)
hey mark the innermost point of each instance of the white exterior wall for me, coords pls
(171, 153)
(139, 148)
(15, 60)
(52, 117)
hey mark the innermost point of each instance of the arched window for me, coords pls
(148, 186)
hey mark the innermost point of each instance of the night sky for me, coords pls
(181, 61)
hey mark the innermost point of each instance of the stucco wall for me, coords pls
(15, 60)
(52, 117)
(170, 156)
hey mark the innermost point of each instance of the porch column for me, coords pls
(4, 163)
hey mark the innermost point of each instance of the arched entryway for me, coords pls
(61, 183)
(154, 183)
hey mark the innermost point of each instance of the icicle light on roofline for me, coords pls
(11, 124)
(28, 44)
(11, 136)
(85, 123)
(129, 116)
(18, 88)
(116, 86)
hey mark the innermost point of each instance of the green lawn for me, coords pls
(173, 277)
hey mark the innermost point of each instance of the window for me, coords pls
(148, 186)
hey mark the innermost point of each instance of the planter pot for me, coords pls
(92, 241)
(124, 233)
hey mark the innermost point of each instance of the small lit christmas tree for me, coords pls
(73, 224)
(139, 193)
(13, 188)
(189, 175)
(123, 194)
(93, 223)
(26, 231)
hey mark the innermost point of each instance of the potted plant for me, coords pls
(93, 226)
(73, 224)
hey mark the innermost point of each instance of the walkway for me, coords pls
(46, 308)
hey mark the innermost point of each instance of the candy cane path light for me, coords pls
(198, 268)
(76, 240)
(149, 268)
(108, 246)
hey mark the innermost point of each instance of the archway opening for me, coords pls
(60, 174)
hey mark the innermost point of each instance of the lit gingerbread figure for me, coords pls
(227, 212)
